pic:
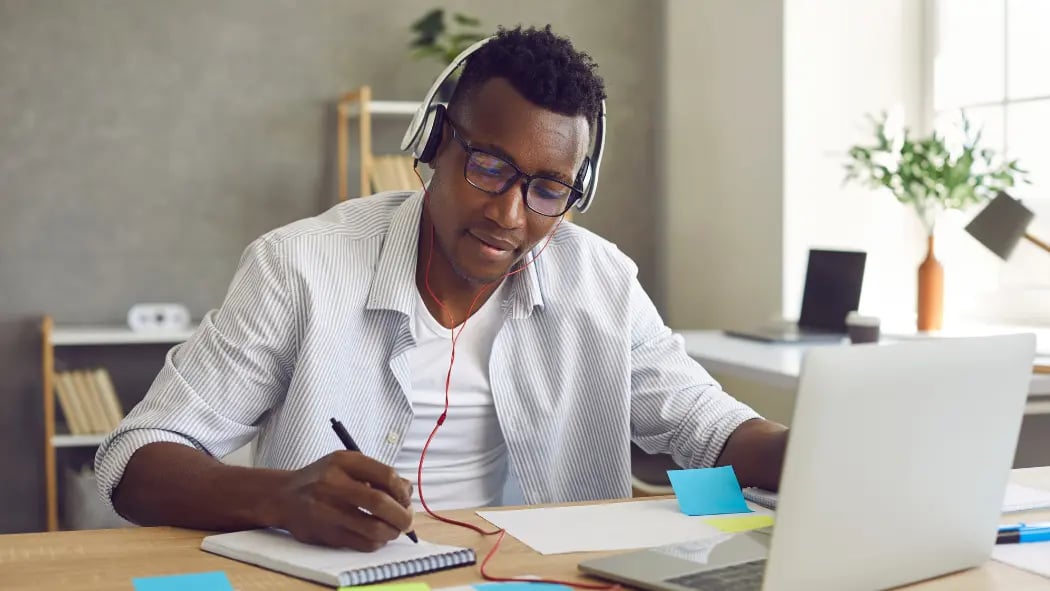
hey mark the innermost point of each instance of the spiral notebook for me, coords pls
(277, 550)
(766, 498)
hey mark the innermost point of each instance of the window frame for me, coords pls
(1012, 300)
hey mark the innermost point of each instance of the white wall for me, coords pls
(722, 162)
(763, 98)
(843, 60)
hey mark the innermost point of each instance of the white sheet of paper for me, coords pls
(1023, 498)
(1017, 498)
(1032, 556)
(615, 526)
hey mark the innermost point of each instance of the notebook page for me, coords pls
(1023, 498)
(1017, 498)
(615, 526)
(1032, 557)
(279, 551)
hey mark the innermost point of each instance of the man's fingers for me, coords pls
(338, 529)
(380, 505)
(407, 500)
(363, 468)
(340, 496)
(371, 527)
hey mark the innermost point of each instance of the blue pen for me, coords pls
(1023, 525)
(1023, 532)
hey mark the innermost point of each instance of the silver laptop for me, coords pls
(896, 468)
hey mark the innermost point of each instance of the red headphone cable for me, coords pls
(441, 419)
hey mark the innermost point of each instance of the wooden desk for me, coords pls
(108, 559)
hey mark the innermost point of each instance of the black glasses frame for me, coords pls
(574, 194)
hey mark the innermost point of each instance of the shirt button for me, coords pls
(392, 437)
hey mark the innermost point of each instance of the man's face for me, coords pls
(480, 234)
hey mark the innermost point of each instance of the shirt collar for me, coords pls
(525, 292)
(394, 282)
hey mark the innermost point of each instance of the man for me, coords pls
(347, 315)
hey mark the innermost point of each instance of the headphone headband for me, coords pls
(425, 131)
(412, 133)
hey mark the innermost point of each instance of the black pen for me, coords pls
(348, 442)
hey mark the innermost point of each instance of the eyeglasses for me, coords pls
(494, 175)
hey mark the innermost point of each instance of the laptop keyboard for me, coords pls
(746, 576)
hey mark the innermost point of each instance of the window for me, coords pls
(987, 59)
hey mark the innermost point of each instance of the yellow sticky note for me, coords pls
(739, 524)
(389, 587)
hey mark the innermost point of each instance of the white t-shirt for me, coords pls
(466, 463)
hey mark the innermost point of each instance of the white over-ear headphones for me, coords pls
(424, 133)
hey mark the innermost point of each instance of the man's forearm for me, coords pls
(756, 452)
(172, 484)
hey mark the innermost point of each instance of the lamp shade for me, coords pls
(1001, 224)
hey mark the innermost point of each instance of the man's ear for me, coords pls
(442, 145)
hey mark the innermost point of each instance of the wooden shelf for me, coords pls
(113, 335)
(77, 440)
(408, 108)
(358, 106)
(58, 436)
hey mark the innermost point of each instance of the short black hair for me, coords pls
(543, 67)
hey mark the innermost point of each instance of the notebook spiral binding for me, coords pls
(767, 499)
(407, 568)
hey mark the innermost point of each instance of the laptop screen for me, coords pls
(833, 284)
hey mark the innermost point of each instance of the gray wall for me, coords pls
(144, 144)
(722, 217)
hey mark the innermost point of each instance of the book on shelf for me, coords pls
(70, 404)
(91, 402)
(88, 400)
(114, 410)
(392, 173)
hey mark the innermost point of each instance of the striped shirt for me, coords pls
(316, 324)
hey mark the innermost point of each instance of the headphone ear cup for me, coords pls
(583, 178)
(433, 130)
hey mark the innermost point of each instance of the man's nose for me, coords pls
(508, 210)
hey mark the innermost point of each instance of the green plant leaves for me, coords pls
(428, 51)
(464, 40)
(466, 21)
(434, 40)
(429, 26)
(926, 174)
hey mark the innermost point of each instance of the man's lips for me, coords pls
(494, 242)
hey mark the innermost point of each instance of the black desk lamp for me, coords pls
(1002, 224)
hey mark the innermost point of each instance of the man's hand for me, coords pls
(756, 452)
(344, 500)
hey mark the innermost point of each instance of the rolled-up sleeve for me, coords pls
(676, 406)
(214, 389)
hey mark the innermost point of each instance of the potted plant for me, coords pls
(931, 175)
(434, 40)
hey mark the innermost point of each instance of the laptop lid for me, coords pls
(898, 461)
(896, 468)
(832, 289)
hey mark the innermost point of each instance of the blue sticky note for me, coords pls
(521, 586)
(708, 491)
(213, 581)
